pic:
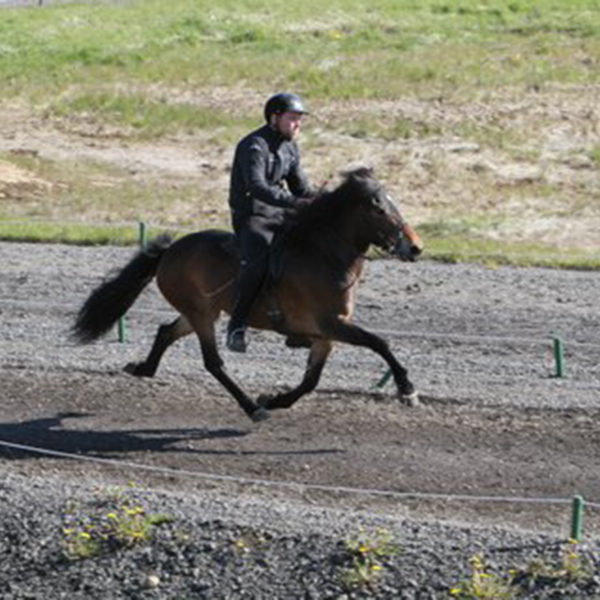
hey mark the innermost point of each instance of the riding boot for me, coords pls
(249, 283)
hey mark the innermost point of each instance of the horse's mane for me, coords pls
(327, 206)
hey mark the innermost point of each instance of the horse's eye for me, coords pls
(377, 204)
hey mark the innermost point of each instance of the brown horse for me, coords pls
(316, 266)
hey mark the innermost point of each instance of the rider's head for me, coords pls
(284, 112)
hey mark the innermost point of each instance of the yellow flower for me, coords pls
(138, 510)
(111, 516)
(85, 535)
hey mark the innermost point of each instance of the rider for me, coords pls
(264, 161)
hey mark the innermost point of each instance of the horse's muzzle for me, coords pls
(407, 248)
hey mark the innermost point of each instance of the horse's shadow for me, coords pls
(27, 439)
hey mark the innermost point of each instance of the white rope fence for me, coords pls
(576, 502)
(183, 473)
(395, 333)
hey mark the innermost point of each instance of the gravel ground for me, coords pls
(477, 343)
(235, 547)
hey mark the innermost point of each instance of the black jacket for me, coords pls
(263, 161)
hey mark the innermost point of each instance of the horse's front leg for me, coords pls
(317, 357)
(343, 331)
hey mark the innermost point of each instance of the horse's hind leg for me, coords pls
(165, 337)
(319, 352)
(214, 365)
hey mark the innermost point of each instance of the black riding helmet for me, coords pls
(283, 102)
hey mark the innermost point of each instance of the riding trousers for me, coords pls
(254, 237)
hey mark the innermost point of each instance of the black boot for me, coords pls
(249, 284)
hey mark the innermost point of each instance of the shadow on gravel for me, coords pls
(48, 433)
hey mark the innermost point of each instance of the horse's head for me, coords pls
(380, 220)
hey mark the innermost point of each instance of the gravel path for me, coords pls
(464, 331)
(236, 547)
(476, 341)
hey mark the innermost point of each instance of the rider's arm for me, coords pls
(254, 172)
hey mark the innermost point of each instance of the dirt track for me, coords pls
(476, 342)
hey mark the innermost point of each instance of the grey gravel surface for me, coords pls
(475, 340)
(236, 547)
(463, 331)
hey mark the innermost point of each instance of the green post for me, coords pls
(143, 234)
(143, 239)
(122, 330)
(577, 519)
(384, 379)
(559, 357)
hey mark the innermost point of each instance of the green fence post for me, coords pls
(559, 357)
(143, 234)
(384, 379)
(122, 330)
(577, 518)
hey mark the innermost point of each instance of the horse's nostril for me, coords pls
(415, 250)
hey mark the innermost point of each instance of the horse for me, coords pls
(317, 263)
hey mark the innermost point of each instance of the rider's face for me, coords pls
(288, 124)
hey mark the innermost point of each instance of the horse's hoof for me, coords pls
(411, 399)
(260, 414)
(263, 401)
(136, 369)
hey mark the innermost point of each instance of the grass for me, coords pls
(150, 72)
(73, 233)
(79, 196)
(341, 49)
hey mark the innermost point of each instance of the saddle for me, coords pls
(276, 267)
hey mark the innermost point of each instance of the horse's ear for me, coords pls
(359, 173)
(363, 173)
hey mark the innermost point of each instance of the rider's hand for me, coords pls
(302, 202)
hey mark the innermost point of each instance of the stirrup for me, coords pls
(235, 340)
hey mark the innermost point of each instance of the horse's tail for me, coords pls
(111, 299)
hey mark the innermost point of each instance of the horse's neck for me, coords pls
(345, 233)
(338, 246)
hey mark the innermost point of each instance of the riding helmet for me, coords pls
(283, 102)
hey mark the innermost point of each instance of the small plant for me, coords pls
(107, 527)
(250, 541)
(368, 554)
(482, 584)
(571, 566)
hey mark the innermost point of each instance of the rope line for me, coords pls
(458, 337)
(290, 484)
